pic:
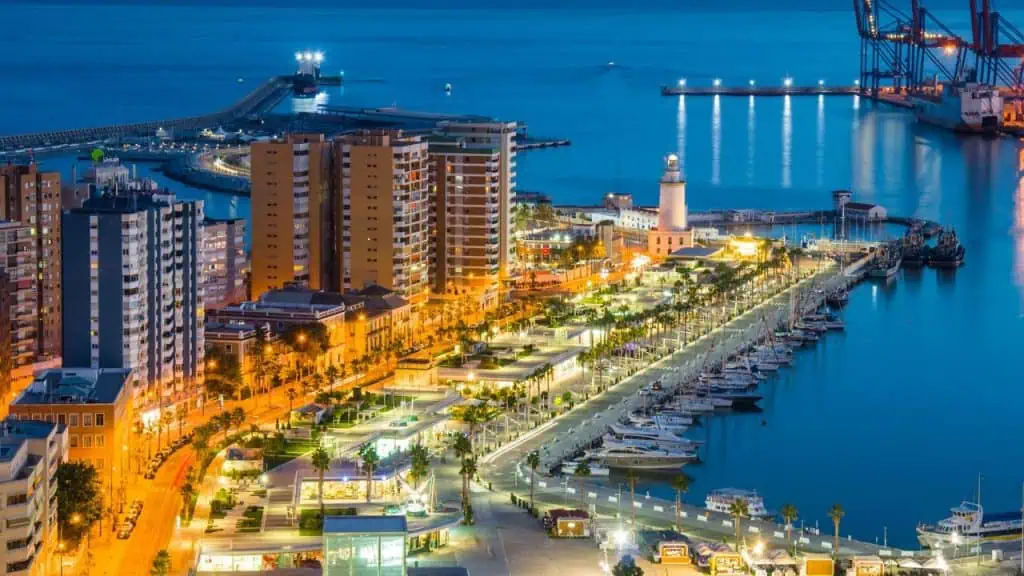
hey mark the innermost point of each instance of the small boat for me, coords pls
(968, 523)
(721, 500)
(740, 400)
(948, 252)
(569, 467)
(448, 88)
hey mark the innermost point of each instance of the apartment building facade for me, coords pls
(34, 198)
(224, 262)
(19, 303)
(290, 212)
(384, 234)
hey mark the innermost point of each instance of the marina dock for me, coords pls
(567, 435)
(755, 90)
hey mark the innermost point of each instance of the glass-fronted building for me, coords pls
(365, 545)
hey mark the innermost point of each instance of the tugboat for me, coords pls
(888, 261)
(948, 252)
(915, 251)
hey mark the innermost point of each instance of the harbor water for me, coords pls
(894, 419)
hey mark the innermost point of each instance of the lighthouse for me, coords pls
(671, 233)
(672, 199)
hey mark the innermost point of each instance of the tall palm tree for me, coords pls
(463, 449)
(468, 470)
(681, 484)
(738, 510)
(292, 395)
(631, 477)
(533, 461)
(582, 472)
(789, 514)
(369, 457)
(836, 513)
(321, 463)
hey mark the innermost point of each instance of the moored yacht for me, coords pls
(720, 500)
(967, 523)
(643, 459)
(569, 467)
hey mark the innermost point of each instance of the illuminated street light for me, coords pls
(821, 82)
(298, 56)
(718, 82)
(758, 548)
(682, 81)
(318, 57)
(788, 82)
(751, 83)
(948, 49)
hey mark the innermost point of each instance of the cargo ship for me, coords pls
(307, 77)
(967, 107)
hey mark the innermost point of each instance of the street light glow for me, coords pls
(682, 81)
(718, 82)
(788, 82)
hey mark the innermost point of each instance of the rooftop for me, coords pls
(365, 525)
(696, 252)
(75, 386)
(861, 206)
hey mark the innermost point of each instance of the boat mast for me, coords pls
(981, 518)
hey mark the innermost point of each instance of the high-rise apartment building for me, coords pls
(384, 236)
(30, 453)
(465, 217)
(19, 267)
(132, 296)
(290, 212)
(224, 262)
(489, 136)
(34, 198)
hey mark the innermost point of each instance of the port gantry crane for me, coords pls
(903, 50)
(999, 47)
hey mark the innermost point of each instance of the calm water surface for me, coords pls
(894, 419)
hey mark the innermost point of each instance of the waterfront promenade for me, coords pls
(566, 435)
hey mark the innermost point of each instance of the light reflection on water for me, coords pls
(751, 124)
(787, 141)
(716, 141)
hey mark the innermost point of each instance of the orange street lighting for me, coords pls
(268, 349)
(76, 518)
(301, 338)
(212, 365)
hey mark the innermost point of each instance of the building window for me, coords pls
(73, 440)
(99, 440)
(87, 420)
(62, 419)
(49, 418)
(86, 441)
(99, 420)
(73, 420)
(99, 463)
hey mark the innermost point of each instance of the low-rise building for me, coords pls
(30, 453)
(95, 406)
(864, 211)
(294, 307)
(376, 319)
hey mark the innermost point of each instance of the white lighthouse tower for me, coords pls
(671, 233)
(672, 200)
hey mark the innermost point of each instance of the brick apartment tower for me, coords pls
(289, 213)
(34, 198)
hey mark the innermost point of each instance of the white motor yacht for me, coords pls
(642, 459)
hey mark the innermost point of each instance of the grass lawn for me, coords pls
(251, 519)
(292, 449)
(310, 523)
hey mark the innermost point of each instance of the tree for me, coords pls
(836, 513)
(627, 567)
(161, 564)
(79, 499)
(463, 449)
(567, 399)
(681, 484)
(582, 472)
(223, 374)
(292, 395)
(789, 514)
(533, 461)
(738, 510)
(368, 456)
(186, 491)
(237, 417)
(420, 464)
(321, 463)
(468, 470)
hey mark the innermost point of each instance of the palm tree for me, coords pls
(681, 484)
(237, 417)
(631, 477)
(420, 464)
(789, 514)
(186, 491)
(292, 395)
(463, 448)
(836, 513)
(467, 471)
(369, 457)
(471, 415)
(533, 461)
(321, 463)
(738, 510)
(582, 472)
